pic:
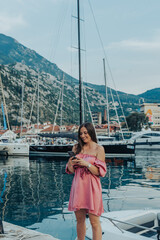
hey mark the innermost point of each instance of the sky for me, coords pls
(124, 32)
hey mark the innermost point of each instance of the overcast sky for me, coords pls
(128, 31)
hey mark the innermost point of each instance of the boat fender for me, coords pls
(158, 218)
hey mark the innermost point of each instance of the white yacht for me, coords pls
(129, 225)
(15, 149)
(146, 139)
(13, 146)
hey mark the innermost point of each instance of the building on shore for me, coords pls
(97, 118)
(152, 111)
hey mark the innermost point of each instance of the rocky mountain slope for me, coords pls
(15, 76)
(20, 66)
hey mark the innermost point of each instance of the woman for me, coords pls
(86, 191)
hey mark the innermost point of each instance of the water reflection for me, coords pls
(135, 185)
(37, 190)
(153, 173)
(34, 190)
(121, 162)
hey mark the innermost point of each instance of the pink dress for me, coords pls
(86, 190)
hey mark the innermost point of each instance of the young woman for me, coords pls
(86, 191)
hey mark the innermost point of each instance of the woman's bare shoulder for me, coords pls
(100, 148)
(100, 152)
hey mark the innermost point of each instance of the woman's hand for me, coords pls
(70, 165)
(80, 161)
(70, 161)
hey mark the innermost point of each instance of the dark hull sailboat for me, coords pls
(112, 149)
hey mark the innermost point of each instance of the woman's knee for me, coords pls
(95, 224)
(94, 220)
(80, 216)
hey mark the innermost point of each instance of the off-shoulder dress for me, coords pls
(86, 190)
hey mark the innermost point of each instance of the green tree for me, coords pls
(136, 121)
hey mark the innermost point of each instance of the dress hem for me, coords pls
(87, 211)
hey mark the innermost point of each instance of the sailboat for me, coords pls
(112, 148)
(8, 141)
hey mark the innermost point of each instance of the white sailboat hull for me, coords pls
(123, 231)
(151, 144)
(148, 140)
(15, 149)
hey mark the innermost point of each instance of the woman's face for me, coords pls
(84, 135)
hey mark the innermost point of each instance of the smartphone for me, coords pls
(71, 154)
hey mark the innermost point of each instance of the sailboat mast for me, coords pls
(38, 103)
(104, 66)
(4, 102)
(22, 108)
(62, 100)
(79, 61)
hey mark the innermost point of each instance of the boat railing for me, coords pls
(113, 220)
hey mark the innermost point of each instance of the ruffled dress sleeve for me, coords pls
(101, 165)
(67, 170)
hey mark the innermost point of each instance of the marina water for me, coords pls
(37, 190)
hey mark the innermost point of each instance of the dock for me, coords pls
(20, 233)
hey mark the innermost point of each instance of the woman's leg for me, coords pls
(81, 225)
(96, 227)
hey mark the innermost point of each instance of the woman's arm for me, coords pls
(70, 162)
(101, 153)
(70, 165)
(101, 156)
(93, 169)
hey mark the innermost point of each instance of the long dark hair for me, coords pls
(91, 131)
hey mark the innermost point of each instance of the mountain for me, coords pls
(11, 52)
(19, 64)
(14, 75)
(152, 95)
